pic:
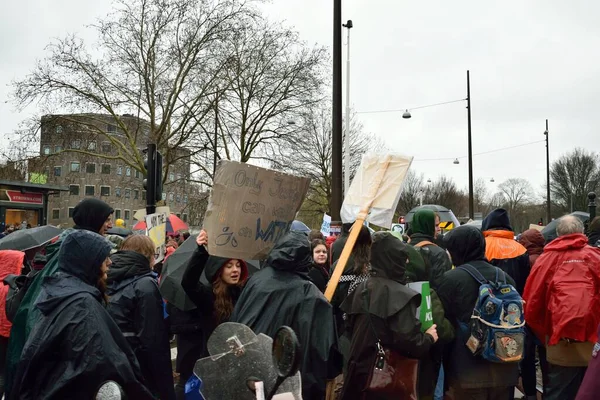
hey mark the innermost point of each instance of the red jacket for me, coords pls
(11, 262)
(562, 294)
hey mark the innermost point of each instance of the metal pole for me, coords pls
(336, 134)
(548, 207)
(471, 199)
(348, 26)
(592, 205)
(151, 180)
(216, 134)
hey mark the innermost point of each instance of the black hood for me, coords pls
(498, 220)
(214, 264)
(388, 257)
(127, 264)
(90, 214)
(291, 253)
(81, 255)
(465, 244)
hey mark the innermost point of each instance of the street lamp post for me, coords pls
(471, 197)
(336, 131)
(348, 25)
(548, 207)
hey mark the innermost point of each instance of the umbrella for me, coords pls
(123, 232)
(172, 274)
(299, 226)
(174, 224)
(549, 232)
(445, 214)
(26, 239)
(477, 223)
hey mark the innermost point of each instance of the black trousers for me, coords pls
(563, 382)
(483, 393)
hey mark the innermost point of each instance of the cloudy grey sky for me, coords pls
(529, 60)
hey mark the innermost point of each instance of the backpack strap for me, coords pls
(425, 243)
(475, 274)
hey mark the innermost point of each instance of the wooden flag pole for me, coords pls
(360, 219)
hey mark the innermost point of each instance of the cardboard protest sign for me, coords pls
(250, 208)
(325, 226)
(424, 311)
(382, 199)
(157, 231)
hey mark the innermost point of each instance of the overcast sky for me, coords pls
(529, 60)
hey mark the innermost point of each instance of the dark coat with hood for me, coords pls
(423, 229)
(76, 345)
(136, 306)
(533, 241)
(593, 233)
(282, 294)
(391, 316)
(502, 250)
(204, 298)
(458, 293)
(90, 214)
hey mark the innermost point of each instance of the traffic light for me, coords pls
(153, 181)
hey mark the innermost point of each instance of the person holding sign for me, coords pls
(216, 300)
(383, 309)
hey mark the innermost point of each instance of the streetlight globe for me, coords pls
(456, 161)
(492, 180)
(406, 115)
(429, 180)
(291, 122)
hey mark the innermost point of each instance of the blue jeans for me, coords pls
(439, 388)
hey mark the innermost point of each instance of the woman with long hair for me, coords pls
(215, 298)
(319, 272)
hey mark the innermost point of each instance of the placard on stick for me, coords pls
(250, 208)
(156, 229)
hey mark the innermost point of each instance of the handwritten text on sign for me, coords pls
(250, 208)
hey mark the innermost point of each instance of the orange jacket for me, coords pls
(503, 251)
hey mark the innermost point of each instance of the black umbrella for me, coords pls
(549, 231)
(173, 270)
(26, 239)
(117, 230)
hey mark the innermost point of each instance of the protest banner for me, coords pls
(326, 225)
(156, 229)
(424, 311)
(250, 208)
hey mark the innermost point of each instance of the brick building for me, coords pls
(92, 169)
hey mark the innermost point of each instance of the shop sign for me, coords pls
(15, 196)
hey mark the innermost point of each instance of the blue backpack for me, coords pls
(497, 327)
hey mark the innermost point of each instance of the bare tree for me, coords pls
(445, 192)
(572, 177)
(158, 61)
(517, 193)
(412, 187)
(480, 195)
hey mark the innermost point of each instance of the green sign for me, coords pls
(38, 178)
(424, 312)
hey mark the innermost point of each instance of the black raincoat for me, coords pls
(281, 294)
(458, 293)
(76, 345)
(136, 306)
(392, 309)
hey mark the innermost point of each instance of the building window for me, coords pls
(164, 196)
(71, 212)
(179, 198)
(75, 166)
(178, 215)
(59, 129)
(136, 194)
(76, 144)
(110, 128)
(127, 193)
(56, 213)
(118, 192)
(185, 199)
(171, 177)
(57, 171)
(106, 148)
(119, 170)
(179, 177)
(105, 191)
(90, 168)
(171, 196)
(90, 190)
(57, 148)
(74, 190)
(127, 215)
(184, 218)
(143, 195)
(92, 146)
(117, 214)
(128, 171)
(106, 169)
(138, 174)
(46, 150)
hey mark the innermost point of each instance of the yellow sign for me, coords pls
(157, 231)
